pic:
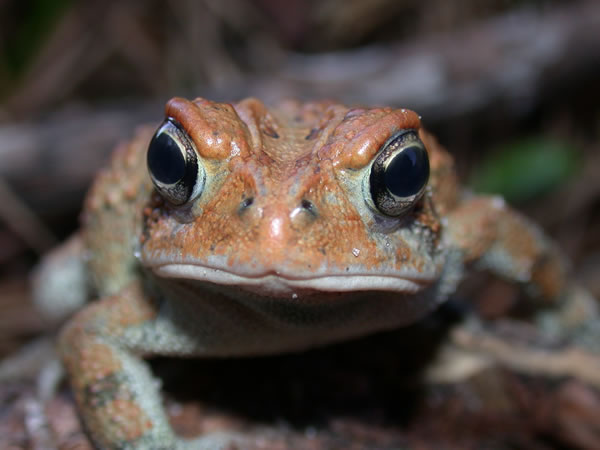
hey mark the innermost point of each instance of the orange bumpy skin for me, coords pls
(276, 245)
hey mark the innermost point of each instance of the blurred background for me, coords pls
(511, 88)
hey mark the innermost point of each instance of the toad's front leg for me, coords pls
(491, 236)
(117, 396)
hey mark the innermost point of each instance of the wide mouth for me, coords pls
(279, 283)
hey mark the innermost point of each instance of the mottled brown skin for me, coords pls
(281, 251)
(281, 161)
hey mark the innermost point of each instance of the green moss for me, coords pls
(526, 168)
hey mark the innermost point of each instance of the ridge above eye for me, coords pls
(399, 174)
(173, 164)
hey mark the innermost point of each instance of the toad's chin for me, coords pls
(284, 285)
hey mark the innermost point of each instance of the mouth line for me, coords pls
(336, 282)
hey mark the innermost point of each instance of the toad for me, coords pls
(241, 230)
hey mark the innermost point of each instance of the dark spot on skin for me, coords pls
(268, 131)
(104, 390)
(212, 247)
(313, 134)
(322, 250)
(215, 133)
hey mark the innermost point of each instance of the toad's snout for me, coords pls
(281, 226)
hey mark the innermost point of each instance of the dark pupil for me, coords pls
(165, 161)
(407, 172)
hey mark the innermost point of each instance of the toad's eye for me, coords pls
(399, 174)
(173, 164)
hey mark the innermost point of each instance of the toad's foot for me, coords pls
(475, 345)
(114, 388)
(577, 318)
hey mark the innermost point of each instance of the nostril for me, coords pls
(246, 203)
(304, 214)
(308, 206)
